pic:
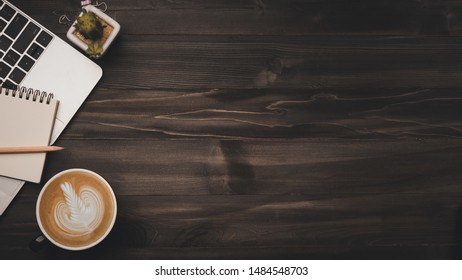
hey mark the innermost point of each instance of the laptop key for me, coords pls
(7, 12)
(35, 50)
(44, 39)
(16, 25)
(10, 85)
(26, 63)
(4, 69)
(5, 43)
(11, 57)
(17, 75)
(26, 37)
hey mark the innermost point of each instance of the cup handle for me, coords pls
(38, 243)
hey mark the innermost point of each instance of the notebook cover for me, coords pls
(25, 123)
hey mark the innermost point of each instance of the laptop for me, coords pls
(34, 57)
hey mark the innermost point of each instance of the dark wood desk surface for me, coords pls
(269, 129)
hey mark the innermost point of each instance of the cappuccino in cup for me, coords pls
(76, 209)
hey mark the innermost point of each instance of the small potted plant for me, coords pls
(93, 31)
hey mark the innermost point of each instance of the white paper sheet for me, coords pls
(8, 190)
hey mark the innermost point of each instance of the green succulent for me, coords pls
(89, 25)
(94, 50)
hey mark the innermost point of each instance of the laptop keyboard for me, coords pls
(21, 44)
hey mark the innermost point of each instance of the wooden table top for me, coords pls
(268, 129)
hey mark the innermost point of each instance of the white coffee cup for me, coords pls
(76, 209)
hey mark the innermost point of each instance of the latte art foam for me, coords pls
(76, 209)
(79, 213)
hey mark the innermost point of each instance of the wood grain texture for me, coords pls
(268, 130)
(289, 62)
(270, 114)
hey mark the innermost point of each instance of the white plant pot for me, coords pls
(108, 20)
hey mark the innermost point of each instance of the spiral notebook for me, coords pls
(27, 117)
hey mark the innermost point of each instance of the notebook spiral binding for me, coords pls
(27, 93)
